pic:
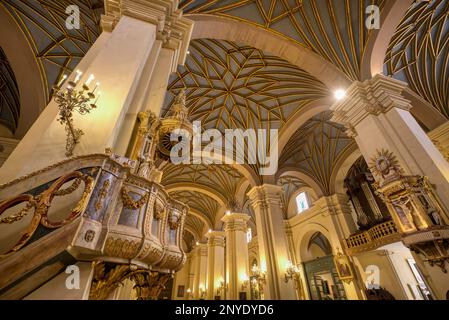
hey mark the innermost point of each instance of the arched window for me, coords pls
(301, 202)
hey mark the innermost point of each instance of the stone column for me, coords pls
(237, 269)
(378, 117)
(200, 272)
(412, 175)
(273, 245)
(139, 37)
(215, 264)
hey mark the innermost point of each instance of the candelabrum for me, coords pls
(189, 294)
(292, 273)
(222, 288)
(70, 100)
(259, 275)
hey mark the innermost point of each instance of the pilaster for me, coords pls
(237, 264)
(273, 245)
(215, 264)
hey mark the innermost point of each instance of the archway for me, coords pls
(320, 271)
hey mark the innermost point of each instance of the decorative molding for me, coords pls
(371, 97)
(172, 28)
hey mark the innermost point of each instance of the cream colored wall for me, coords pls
(182, 278)
(437, 280)
(394, 273)
(332, 217)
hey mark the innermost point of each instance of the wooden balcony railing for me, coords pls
(379, 235)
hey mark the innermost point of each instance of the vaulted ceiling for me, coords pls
(9, 95)
(233, 86)
(57, 49)
(333, 29)
(316, 148)
(419, 52)
(222, 179)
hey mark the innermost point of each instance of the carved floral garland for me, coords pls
(129, 203)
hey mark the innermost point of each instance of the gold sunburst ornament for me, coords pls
(385, 166)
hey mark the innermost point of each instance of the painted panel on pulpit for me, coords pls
(101, 196)
(130, 217)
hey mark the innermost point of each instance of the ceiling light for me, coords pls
(340, 94)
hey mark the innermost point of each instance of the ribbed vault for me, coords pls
(316, 148)
(334, 29)
(195, 226)
(57, 49)
(200, 203)
(222, 180)
(9, 95)
(419, 52)
(236, 86)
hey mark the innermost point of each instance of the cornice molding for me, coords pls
(372, 97)
(236, 222)
(172, 28)
(264, 195)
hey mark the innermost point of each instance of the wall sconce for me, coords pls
(259, 276)
(70, 100)
(292, 273)
(222, 287)
(189, 294)
(245, 282)
(202, 293)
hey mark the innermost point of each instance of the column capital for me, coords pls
(200, 250)
(265, 194)
(371, 97)
(172, 28)
(235, 221)
(215, 238)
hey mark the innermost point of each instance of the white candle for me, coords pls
(89, 80)
(78, 76)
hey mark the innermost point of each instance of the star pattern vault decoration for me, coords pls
(334, 29)
(230, 86)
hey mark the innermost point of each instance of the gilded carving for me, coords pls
(159, 212)
(102, 194)
(174, 219)
(129, 203)
(89, 235)
(122, 248)
(42, 203)
(385, 166)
